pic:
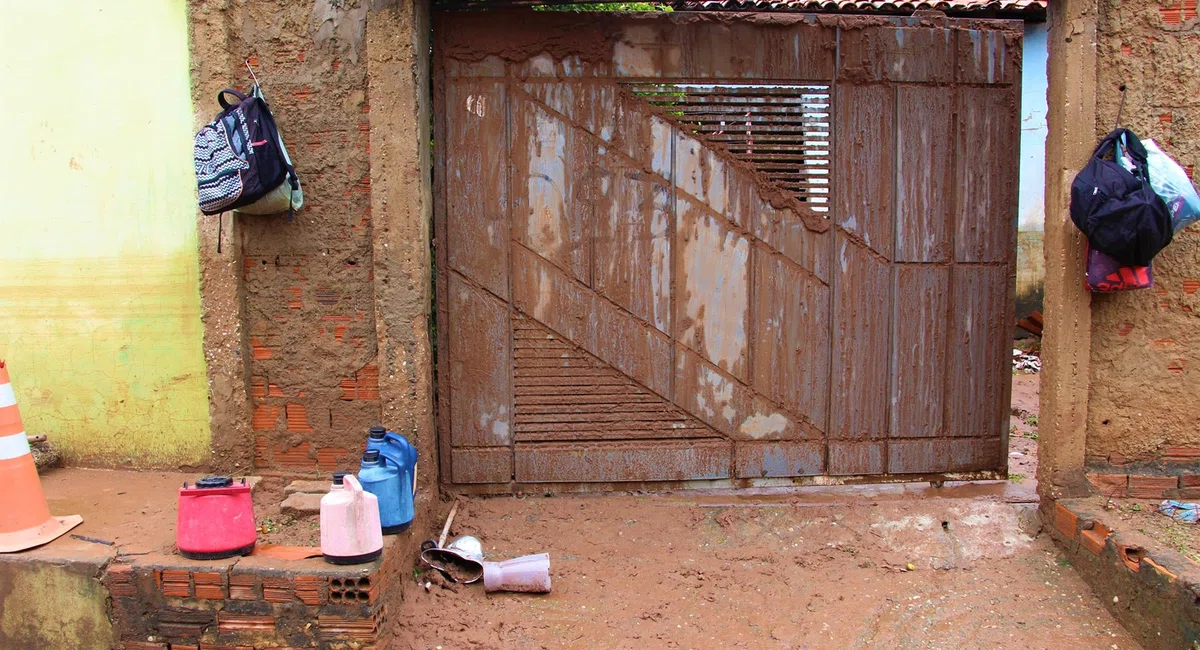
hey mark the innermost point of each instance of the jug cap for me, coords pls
(338, 478)
(377, 433)
(209, 482)
(370, 456)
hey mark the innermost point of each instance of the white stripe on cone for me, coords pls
(14, 446)
(7, 398)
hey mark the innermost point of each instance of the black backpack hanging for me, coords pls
(239, 156)
(1117, 209)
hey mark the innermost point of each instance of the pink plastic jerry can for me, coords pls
(350, 530)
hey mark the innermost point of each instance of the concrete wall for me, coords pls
(99, 281)
(1145, 348)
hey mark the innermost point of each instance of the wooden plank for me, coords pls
(656, 460)
(864, 164)
(778, 459)
(924, 173)
(890, 53)
(988, 56)
(855, 458)
(552, 177)
(712, 297)
(861, 319)
(480, 363)
(482, 465)
(988, 143)
(586, 319)
(720, 401)
(633, 242)
(791, 337)
(980, 361)
(920, 333)
(477, 184)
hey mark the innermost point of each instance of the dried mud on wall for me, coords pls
(1145, 358)
(308, 311)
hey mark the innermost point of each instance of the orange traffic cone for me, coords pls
(25, 521)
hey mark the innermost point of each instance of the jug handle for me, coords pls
(351, 482)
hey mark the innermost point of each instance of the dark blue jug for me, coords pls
(395, 495)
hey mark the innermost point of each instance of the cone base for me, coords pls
(49, 531)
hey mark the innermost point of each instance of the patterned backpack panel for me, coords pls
(221, 157)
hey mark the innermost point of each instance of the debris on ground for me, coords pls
(1032, 323)
(1180, 511)
(45, 456)
(1026, 362)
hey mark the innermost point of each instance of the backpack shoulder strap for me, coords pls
(229, 91)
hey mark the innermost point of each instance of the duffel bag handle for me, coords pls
(225, 104)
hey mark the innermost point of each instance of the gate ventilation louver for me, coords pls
(781, 130)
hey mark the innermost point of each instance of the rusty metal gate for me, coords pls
(739, 248)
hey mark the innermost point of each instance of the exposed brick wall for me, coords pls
(1151, 590)
(164, 602)
(307, 285)
(1145, 353)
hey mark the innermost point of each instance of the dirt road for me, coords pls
(822, 569)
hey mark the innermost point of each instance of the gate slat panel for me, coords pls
(861, 336)
(920, 336)
(987, 207)
(864, 164)
(778, 459)
(980, 357)
(552, 177)
(712, 296)
(476, 186)
(887, 53)
(924, 173)
(633, 242)
(791, 337)
(480, 366)
(657, 460)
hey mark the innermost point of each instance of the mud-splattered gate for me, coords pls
(692, 247)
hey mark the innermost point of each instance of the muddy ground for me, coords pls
(1143, 516)
(844, 567)
(856, 568)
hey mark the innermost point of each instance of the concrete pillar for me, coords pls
(398, 60)
(1066, 343)
(214, 67)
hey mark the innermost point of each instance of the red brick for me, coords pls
(1159, 569)
(277, 590)
(1093, 539)
(119, 580)
(1151, 487)
(175, 583)
(243, 587)
(1109, 484)
(1131, 556)
(1189, 480)
(309, 589)
(142, 645)
(209, 585)
(297, 418)
(208, 646)
(1179, 454)
(231, 622)
(1191, 286)
(176, 646)
(259, 351)
(265, 417)
(1065, 521)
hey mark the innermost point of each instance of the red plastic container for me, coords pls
(216, 519)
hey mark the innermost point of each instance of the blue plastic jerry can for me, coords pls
(382, 479)
(395, 453)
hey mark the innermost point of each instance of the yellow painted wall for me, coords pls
(99, 271)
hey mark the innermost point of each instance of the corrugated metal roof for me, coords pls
(1035, 9)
